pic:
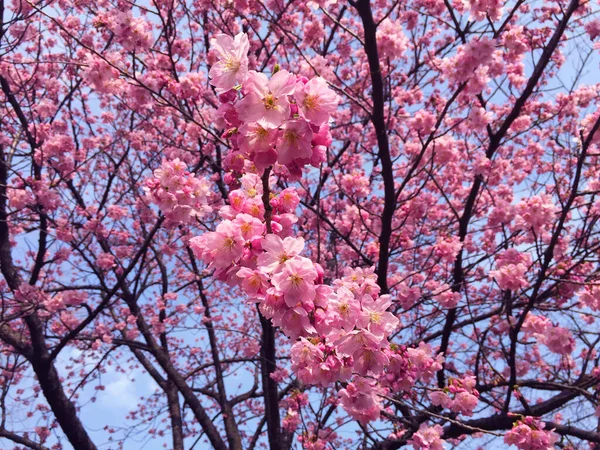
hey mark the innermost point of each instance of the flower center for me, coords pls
(228, 243)
(296, 280)
(311, 102)
(291, 137)
(269, 102)
(232, 64)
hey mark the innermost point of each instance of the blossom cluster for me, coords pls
(282, 119)
(179, 194)
(465, 396)
(428, 438)
(511, 271)
(558, 339)
(341, 329)
(529, 434)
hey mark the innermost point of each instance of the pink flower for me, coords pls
(316, 101)
(266, 99)
(361, 400)
(529, 434)
(536, 212)
(464, 403)
(105, 261)
(295, 323)
(510, 276)
(440, 398)
(447, 298)
(220, 248)
(295, 141)
(305, 358)
(428, 438)
(278, 251)
(423, 362)
(447, 248)
(232, 65)
(291, 421)
(253, 281)
(355, 341)
(256, 137)
(249, 226)
(590, 297)
(376, 319)
(369, 360)
(391, 41)
(288, 200)
(133, 33)
(296, 281)
(178, 193)
(558, 340)
(593, 28)
(344, 309)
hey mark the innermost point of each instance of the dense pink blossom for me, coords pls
(529, 434)
(428, 438)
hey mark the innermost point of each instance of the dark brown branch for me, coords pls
(363, 7)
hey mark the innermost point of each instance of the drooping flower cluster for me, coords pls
(178, 193)
(342, 329)
(282, 119)
(529, 434)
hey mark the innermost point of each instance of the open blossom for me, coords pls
(266, 99)
(464, 403)
(590, 297)
(344, 309)
(376, 318)
(253, 281)
(278, 251)
(101, 75)
(220, 248)
(256, 137)
(465, 397)
(296, 281)
(482, 9)
(232, 65)
(391, 41)
(369, 360)
(356, 342)
(295, 141)
(593, 28)
(133, 33)
(423, 361)
(447, 249)
(447, 298)
(316, 101)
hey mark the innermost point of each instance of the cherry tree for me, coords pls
(323, 225)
